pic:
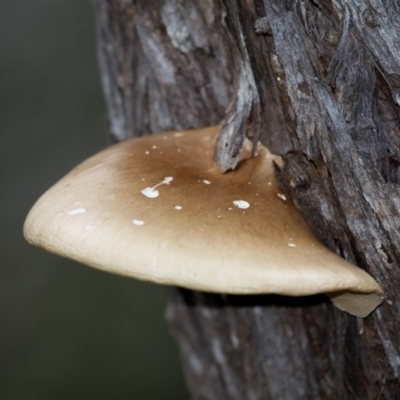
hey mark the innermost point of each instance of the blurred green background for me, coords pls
(66, 331)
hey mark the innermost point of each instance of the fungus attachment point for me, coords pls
(264, 247)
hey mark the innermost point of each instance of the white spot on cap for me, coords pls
(150, 192)
(154, 146)
(241, 204)
(282, 196)
(90, 227)
(77, 211)
(206, 182)
(178, 207)
(291, 245)
(178, 134)
(147, 153)
(137, 222)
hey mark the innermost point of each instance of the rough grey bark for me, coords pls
(317, 81)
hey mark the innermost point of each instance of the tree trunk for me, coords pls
(318, 82)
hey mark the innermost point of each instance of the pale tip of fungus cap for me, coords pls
(117, 211)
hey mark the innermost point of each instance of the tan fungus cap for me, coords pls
(157, 209)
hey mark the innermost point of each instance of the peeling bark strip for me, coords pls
(317, 81)
(244, 108)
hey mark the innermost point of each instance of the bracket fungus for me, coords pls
(156, 208)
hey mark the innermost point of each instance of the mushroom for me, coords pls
(156, 208)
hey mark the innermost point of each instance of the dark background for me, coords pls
(66, 331)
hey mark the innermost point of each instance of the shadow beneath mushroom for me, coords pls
(194, 299)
